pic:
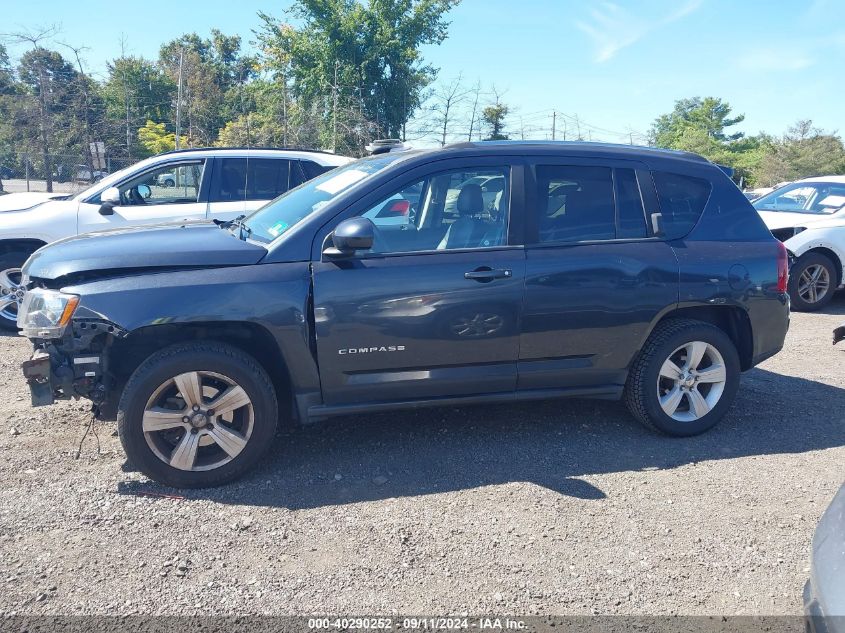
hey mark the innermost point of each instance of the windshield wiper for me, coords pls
(243, 230)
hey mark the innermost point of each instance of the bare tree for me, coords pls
(447, 98)
(45, 120)
(473, 118)
(82, 80)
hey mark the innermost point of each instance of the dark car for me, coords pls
(599, 271)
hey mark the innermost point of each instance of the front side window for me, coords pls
(173, 183)
(575, 203)
(465, 208)
(682, 201)
(804, 197)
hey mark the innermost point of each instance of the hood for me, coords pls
(27, 199)
(784, 220)
(177, 245)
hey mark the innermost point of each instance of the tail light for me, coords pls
(783, 267)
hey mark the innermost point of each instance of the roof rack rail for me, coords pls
(281, 149)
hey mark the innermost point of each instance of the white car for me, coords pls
(808, 216)
(217, 184)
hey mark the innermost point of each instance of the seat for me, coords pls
(468, 229)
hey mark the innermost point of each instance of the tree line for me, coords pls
(330, 74)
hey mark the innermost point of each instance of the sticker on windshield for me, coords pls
(278, 228)
(342, 181)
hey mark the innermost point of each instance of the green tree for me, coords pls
(494, 117)
(213, 75)
(357, 65)
(43, 115)
(135, 91)
(710, 115)
(156, 139)
(802, 152)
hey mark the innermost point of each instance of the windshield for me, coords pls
(279, 215)
(821, 198)
(106, 182)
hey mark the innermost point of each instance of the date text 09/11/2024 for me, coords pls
(440, 624)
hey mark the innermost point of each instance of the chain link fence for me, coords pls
(70, 173)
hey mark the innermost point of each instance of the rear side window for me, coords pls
(312, 169)
(575, 203)
(682, 200)
(250, 179)
(266, 178)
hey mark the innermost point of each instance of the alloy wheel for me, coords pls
(198, 421)
(11, 293)
(814, 283)
(691, 381)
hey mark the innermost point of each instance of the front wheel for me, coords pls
(11, 291)
(811, 282)
(684, 379)
(196, 415)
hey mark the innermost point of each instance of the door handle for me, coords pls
(485, 273)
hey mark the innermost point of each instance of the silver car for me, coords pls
(824, 593)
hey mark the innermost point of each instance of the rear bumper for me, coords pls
(769, 325)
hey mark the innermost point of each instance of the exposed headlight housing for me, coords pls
(46, 313)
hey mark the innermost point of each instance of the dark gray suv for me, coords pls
(591, 271)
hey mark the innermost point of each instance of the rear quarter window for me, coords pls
(682, 201)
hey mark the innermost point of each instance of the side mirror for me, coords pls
(354, 234)
(109, 199)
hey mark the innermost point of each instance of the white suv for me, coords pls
(808, 216)
(182, 185)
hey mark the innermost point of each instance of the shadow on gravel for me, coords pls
(836, 305)
(550, 444)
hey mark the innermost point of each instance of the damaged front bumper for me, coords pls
(75, 366)
(54, 375)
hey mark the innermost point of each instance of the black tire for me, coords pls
(222, 359)
(641, 389)
(8, 261)
(804, 262)
(169, 183)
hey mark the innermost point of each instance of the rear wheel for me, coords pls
(11, 291)
(812, 282)
(197, 414)
(684, 379)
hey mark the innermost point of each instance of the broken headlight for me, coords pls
(46, 313)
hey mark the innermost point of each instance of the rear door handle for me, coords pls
(485, 273)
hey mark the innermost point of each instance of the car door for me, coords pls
(596, 276)
(170, 191)
(431, 310)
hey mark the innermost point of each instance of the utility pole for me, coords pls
(554, 123)
(179, 100)
(126, 97)
(578, 125)
(631, 136)
(334, 110)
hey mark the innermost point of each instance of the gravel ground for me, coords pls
(564, 507)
